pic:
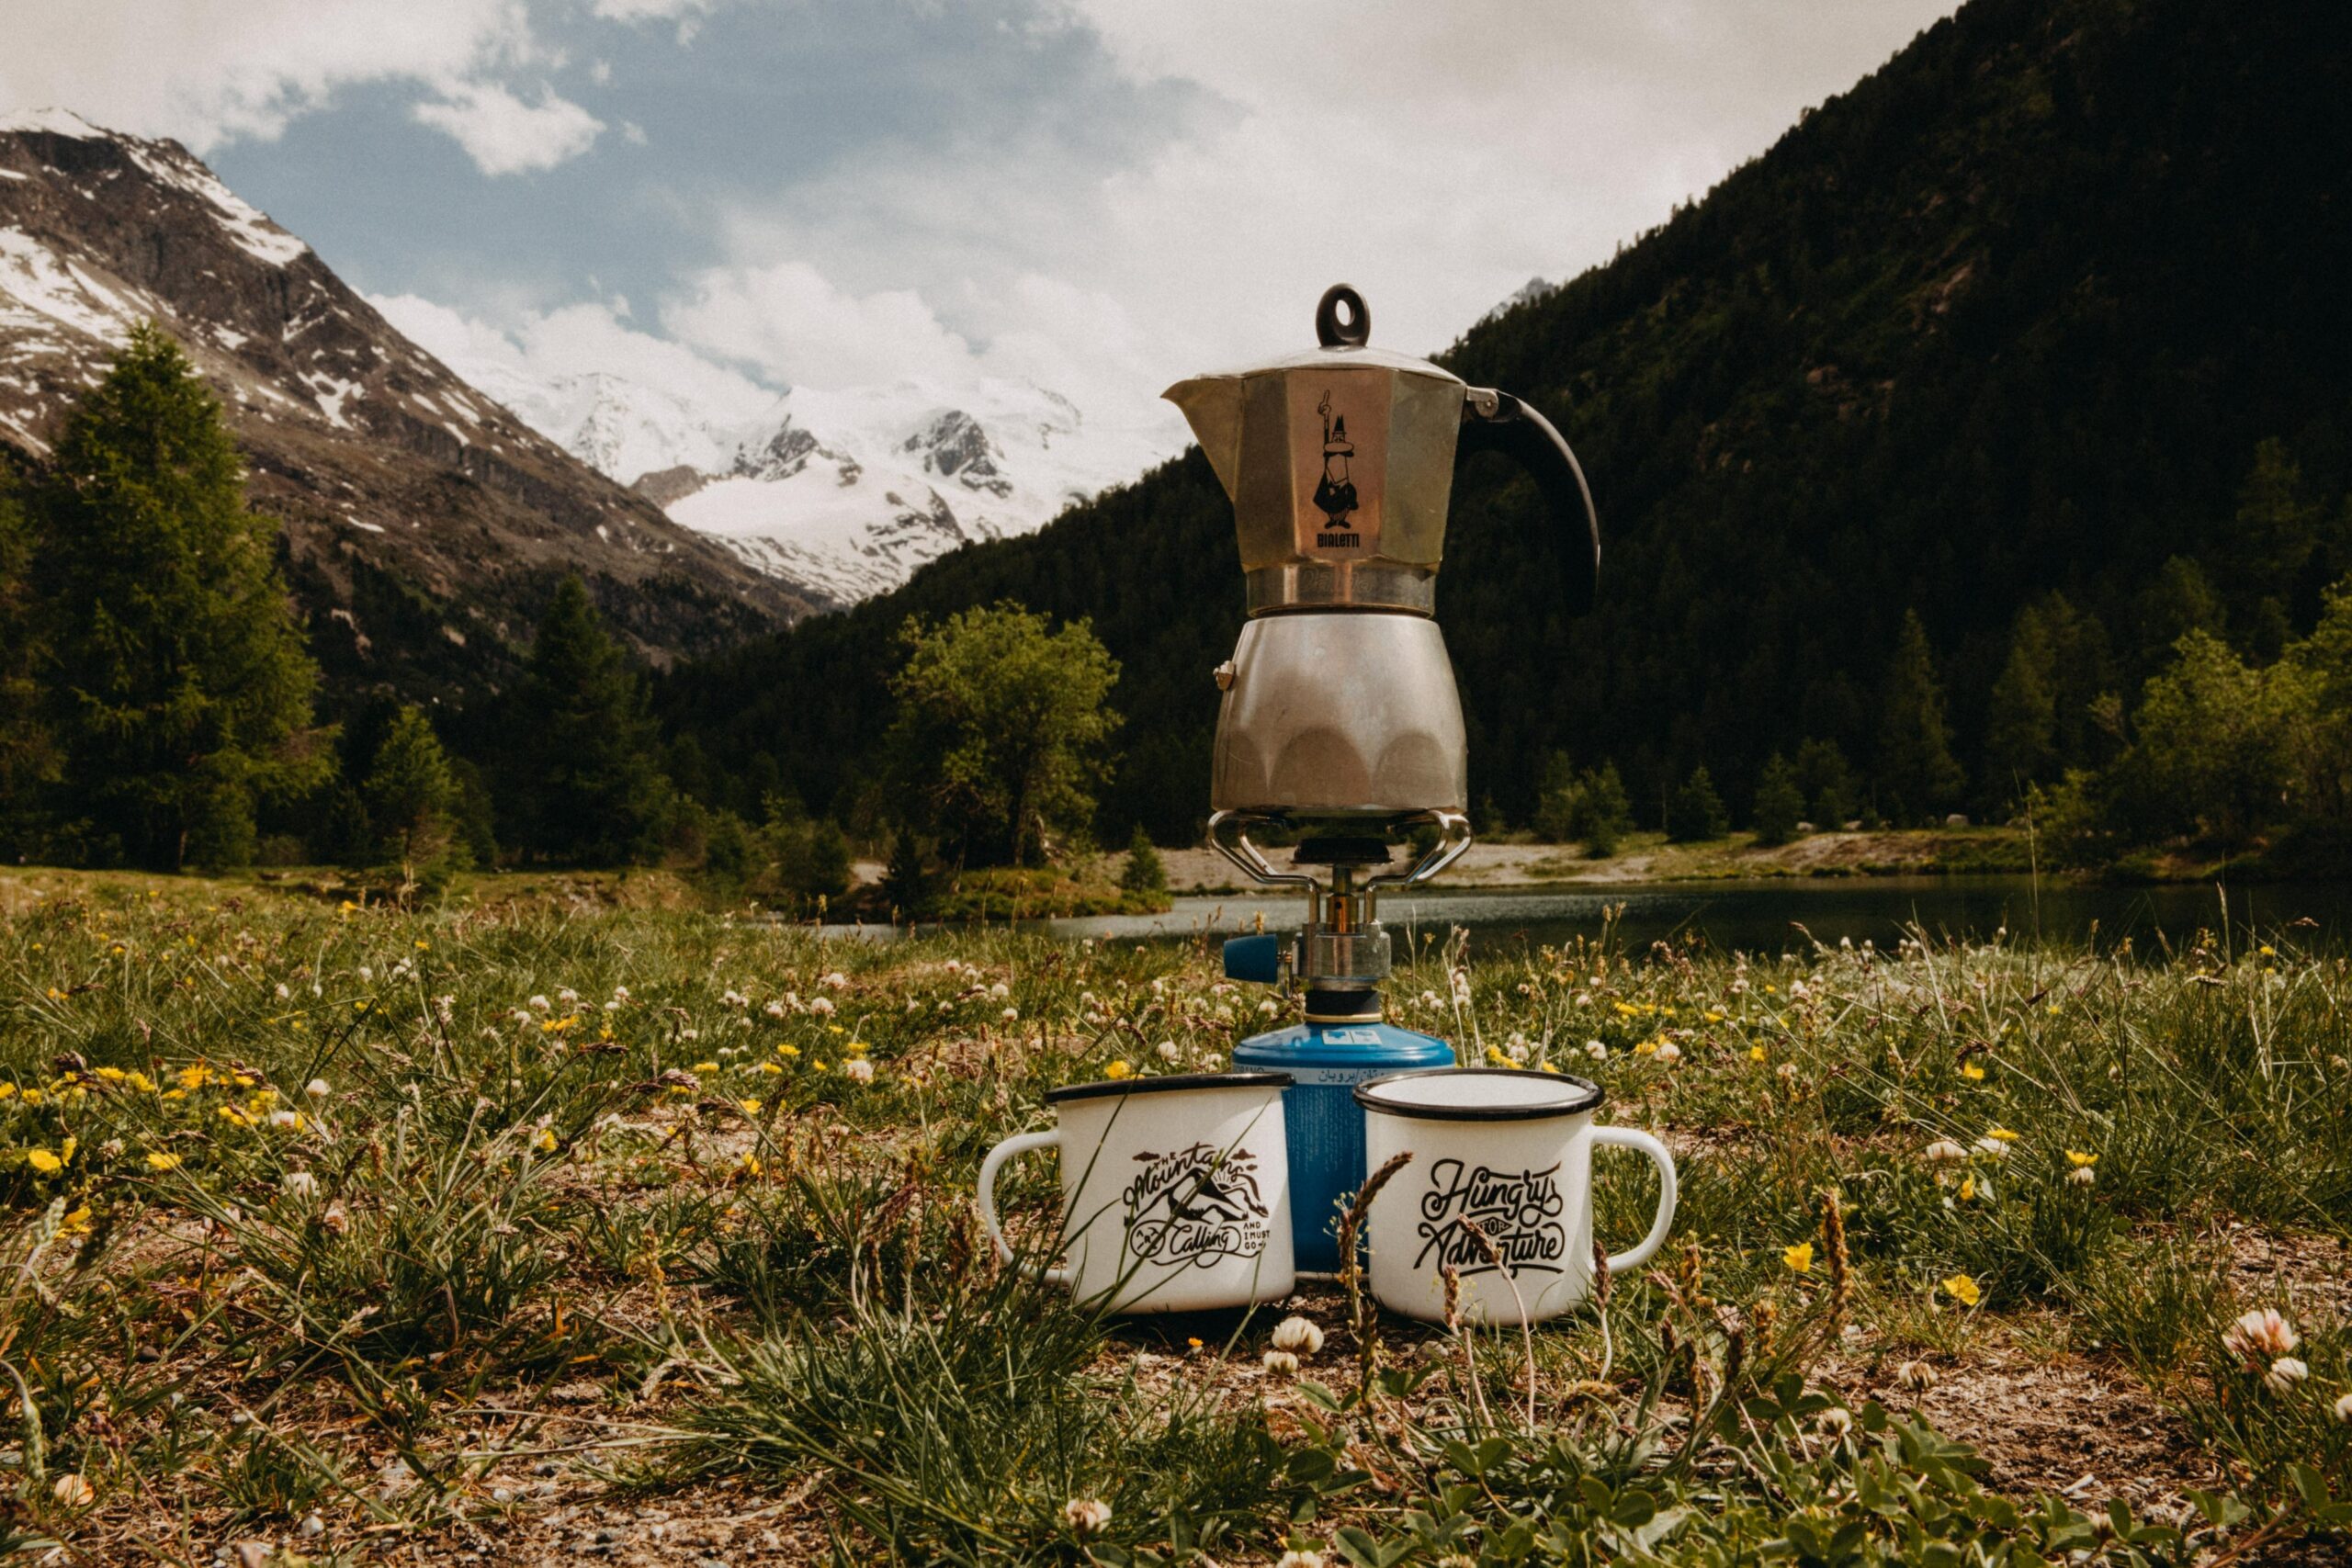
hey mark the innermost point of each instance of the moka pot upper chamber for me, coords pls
(1340, 700)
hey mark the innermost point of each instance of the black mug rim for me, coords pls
(1103, 1088)
(1588, 1101)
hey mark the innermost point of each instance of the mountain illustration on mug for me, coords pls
(1196, 1205)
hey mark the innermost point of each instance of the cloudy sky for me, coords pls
(725, 197)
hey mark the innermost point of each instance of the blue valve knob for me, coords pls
(1254, 958)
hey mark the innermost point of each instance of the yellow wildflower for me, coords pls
(195, 1077)
(545, 1142)
(771, 1069)
(857, 1047)
(706, 1066)
(1798, 1257)
(2001, 1132)
(2080, 1160)
(158, 1160)
(1972, 1072)
(8, 1090)
(750, 1107)
(421, 945)
(32, 1097)
(787, 1050)
(1756, 1052)
(1968, 1190)
(111, 1075)
(1962, 1288)
(1118, 1070)
(77, 1222)
(2269, 952)
(43, 1161)
(140, 1081)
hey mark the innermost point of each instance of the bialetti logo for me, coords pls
(1517, 1212)
(1196, 1206)
(1335, 493)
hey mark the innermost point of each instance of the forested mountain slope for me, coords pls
(2011, 318)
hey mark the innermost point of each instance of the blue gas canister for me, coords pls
(1326, 1061)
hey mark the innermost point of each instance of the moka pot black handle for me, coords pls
(1497, 421)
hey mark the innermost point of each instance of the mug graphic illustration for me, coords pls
(1196, 1206)
(1475, 1220)
(1175, 1191)
(1497, 1189)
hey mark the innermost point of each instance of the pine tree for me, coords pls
(906, 880)
(1827, 781)
(1779, 801)
(1696, 812)
(584, 783)
(28, 760)
(1602, 814)
(2020, 730)
(1144, 871)
(413, 796)
(179, 687)
(1915, 771)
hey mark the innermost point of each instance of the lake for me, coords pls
(1769, 916)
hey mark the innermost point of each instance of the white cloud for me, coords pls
(787, 319)
(530, 351)
(207, 72)
(502, 134)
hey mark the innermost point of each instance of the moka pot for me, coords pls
(1340, 721)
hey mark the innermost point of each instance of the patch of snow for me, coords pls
(331, 395)
(37, 287)
(247, 227)
(55, 122)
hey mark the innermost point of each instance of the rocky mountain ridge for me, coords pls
(424, 522)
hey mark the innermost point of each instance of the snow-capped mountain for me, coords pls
(840, 493)
(424, 522)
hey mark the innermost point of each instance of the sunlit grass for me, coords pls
(338, 1220)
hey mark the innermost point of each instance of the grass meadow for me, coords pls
(561, 1230)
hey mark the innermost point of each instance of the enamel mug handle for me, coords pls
(1024, 1143)
(1624, 1138)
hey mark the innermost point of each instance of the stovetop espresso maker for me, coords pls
(1340, 725)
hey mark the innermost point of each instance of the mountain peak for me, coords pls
(422, 521)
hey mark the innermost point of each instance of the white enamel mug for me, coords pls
(1499, 1187)
(1175, 1191)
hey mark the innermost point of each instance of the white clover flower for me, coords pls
(621, 993)
(1000, 990)
(317, 1088)
(365, 973)
(285, 1121)
(774, 1008)
(2261, 1333)
(1298, 1333)
(1429, 998)
(1596, 1050)
(1584, 999)
(822, 1006)
(1167, 1050)
(1797, 989)
(1086, 1515)
(1833, 1422)
(300, 1184)
(2344, 1408)
(2082, 1176)
(857, 1069)
(519, 1016)
(836, 981)
(1669, 1052)
(1281, 1364)
(1916, 1376)
(567, 996)
(282, 992)
(1300, 1559)
(1011, 1015)
(1267, 1008)
(2284, 1375)
(539, 1004)
(1943, 1151)
(1992, 1148)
